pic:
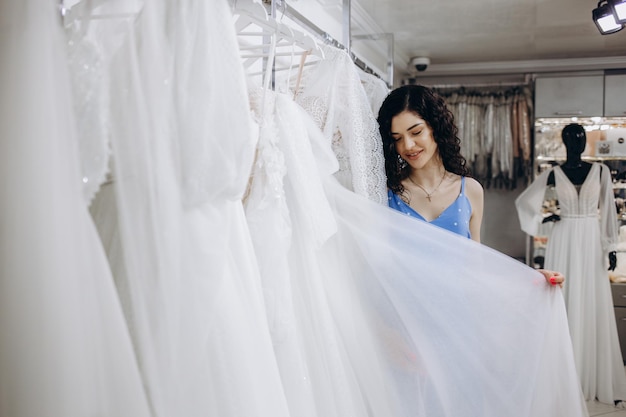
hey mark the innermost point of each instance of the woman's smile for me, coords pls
(413, 156)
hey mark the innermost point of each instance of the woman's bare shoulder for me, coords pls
(473, 187)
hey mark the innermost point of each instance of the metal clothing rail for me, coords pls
(469, 86)
(288, 11)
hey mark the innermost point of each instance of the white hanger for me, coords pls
(88, 10)
(253, 21)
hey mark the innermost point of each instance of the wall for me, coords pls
(366, 42)
(501, 230)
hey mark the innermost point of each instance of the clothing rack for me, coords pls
(286, 10)
(527, 81)
(478, 88)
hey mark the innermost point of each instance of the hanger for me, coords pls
(100, 9)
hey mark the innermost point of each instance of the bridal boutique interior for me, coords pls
(194, 216)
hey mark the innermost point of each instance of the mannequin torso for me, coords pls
(576, 172)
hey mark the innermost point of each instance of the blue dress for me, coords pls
(455, 217)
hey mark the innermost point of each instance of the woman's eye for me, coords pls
(416, 133)
(396, 138)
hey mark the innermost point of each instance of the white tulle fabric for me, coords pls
(357, 310)
(461, 329)
(288, 226)
(375, 313)
(65, 349)
(182, 147)
(331, 92)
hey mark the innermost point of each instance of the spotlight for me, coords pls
(605, 19)
(619, 10)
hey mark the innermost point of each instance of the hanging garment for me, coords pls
(290, 218)
(376, 90)
(65, 348)
(331, 92)
(86, 64)
(578, 246)
(494, 131)
(182, 149)
(393, 316)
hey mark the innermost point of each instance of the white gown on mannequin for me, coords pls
(65, 349)
(578, 246)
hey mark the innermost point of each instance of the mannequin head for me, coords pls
(574, 139)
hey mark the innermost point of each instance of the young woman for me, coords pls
(427, 177)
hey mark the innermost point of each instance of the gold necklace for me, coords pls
(429, 194)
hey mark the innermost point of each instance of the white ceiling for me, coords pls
(475, 32)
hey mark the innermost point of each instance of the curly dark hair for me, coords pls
(431, 107)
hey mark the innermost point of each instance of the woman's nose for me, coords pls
(408, 142)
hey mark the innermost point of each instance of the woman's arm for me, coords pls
(476, 197)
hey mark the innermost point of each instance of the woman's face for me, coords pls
(414, 140)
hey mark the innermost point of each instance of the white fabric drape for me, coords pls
(420, 318)
(65, 348)
(334, 305)
(182, 147)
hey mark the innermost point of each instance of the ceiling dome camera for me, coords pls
(420, 63)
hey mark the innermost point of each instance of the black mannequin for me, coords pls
(575, 139)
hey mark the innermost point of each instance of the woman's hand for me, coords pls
(553, 277)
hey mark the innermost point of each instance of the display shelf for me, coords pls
(584, 158)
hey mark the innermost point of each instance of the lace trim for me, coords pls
(90, 98)
(332, 93)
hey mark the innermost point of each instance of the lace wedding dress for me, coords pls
(290, 220)
(332, 93)
(375, 89)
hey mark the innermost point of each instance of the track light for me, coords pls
(619, 10)
(604, 17)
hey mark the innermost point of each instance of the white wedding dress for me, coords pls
(182, 149)
(357, 311)
(65, 349)
(578, 246)
(290, 220)
(394, 316)
(332, 93)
